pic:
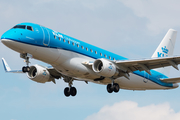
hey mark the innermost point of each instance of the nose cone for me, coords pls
(7, 35)
(4, 37)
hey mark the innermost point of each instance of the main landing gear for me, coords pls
(26, 56)
(113, 87)
(69, 90)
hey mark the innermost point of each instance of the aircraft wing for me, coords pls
(147, 64)
(171, 80)
(54, 73)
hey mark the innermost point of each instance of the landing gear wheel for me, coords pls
(26, 69)
(23, 69)
(67, 92)
(116, 87)
(73, 91)
(109, 88)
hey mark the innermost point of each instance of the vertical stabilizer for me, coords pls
(166, 48)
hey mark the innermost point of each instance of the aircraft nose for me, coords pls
(4, 37)
(7, 35)
(10, 35)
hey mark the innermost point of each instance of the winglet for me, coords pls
(8, 69)
(6, 66)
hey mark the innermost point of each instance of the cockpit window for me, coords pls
(29, 28)
(23, 27)
(20, 26)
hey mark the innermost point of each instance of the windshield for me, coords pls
(20, 26)
(23, 27)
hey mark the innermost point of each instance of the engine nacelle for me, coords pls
(105, 68)
(39, 74)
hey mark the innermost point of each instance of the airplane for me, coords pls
(75, 60)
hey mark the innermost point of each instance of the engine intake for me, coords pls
(39, 74)
(105, 68)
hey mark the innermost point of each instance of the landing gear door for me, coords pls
(46, 36)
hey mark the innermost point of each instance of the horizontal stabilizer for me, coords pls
(8, 69)
(171, 80)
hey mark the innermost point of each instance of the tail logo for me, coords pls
(164, 52)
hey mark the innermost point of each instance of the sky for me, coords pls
(130, 28)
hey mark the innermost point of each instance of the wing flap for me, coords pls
(171, 80)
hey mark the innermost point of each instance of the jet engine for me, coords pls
(39, 74)
(105, 68)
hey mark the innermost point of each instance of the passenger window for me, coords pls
(114, 59)
(73, 43)
(54, 37)
(109, 57)
(87, 49)
(77, 45)
(68, 42)
(59, 38)
(96, 52)
(29, 28)
(82, 47)
(64, 40)
(101, 54)
(91, 50)
(105, 56)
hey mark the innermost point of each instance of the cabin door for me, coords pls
(46, 36)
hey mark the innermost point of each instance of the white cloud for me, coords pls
(128, 110)
(161, 14)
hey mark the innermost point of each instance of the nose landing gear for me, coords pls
(25, 69)
(26, 56)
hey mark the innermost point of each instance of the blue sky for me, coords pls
(129, 28)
